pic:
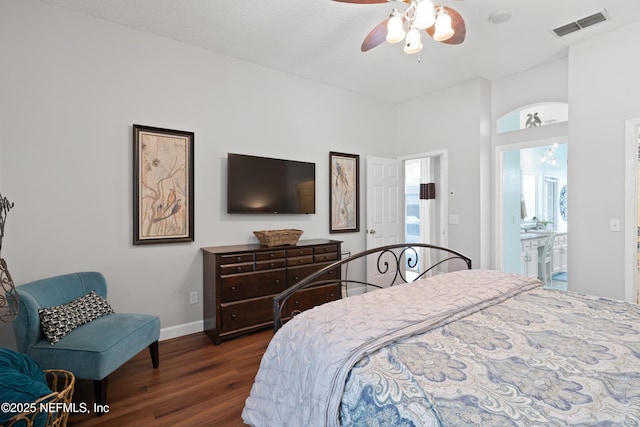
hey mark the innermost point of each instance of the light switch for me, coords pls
(614, 224)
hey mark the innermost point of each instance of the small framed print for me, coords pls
(162, 185)
(344, 193)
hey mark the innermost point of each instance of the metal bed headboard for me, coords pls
(402, 257)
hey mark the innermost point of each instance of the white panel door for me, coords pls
(385, 208)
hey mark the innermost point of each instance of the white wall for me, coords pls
(544, 83)
(73, 86)
(604, 92)
(456, 119)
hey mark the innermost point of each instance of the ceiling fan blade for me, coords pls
(375, 37)
(458, 25)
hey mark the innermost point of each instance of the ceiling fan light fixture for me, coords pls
(443, 26)
(424, 15)
(413, 45)
(395, 29)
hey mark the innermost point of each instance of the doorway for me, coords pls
(531, 185)
(425, 200)
(426, 209)
(632, 212)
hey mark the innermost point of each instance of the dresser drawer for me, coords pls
(250, 285)
(323, 249)
(235, 268)
(245, 314)
(236, 258)
(294, 275)
(309, 298)
(300, 260)
(263, 256)
(299, 252)
(324, 257)
(268, 265)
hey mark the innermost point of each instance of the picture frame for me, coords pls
(162, 185)
(344, 192)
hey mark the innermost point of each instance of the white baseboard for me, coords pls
(180, 330)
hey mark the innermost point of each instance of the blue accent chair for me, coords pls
(93, 350)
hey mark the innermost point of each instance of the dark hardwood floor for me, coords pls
(197, 384)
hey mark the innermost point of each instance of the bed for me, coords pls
(451, 348)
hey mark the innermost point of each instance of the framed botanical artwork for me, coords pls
(344, 193)
(162, 185)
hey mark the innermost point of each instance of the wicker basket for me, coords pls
(278, 237)
(61, 383)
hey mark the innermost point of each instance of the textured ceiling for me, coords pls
(320, 39)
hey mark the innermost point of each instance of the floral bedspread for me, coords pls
(539, 358)
(305, 368)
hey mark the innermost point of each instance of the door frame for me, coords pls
(498, 206)
(631, 209)
(443, 180)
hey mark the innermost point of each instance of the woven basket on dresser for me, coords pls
(61, 383)
(278, 237)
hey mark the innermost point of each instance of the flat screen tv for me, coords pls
(266, 185)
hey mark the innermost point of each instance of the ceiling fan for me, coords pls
(442, 23)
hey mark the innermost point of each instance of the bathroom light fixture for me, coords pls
(549, 155)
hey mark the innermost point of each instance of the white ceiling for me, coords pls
(320, 39)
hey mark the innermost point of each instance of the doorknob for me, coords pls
(372, 231)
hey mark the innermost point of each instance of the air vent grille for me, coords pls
(581, 23)
(566, 29)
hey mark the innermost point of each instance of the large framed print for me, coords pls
(162, 185)
(344, 193)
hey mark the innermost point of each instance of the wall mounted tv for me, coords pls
(266, 185)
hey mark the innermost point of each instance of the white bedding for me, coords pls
(303, 372)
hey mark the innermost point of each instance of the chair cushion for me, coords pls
(59, 320)
(21, 381)
(94, 350)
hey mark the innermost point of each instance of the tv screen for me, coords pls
(266, 185)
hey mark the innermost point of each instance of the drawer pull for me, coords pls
(239, 268)
(239, 259)
(272, 264)
(272, 255)
(277, 281)
(233, 316)
(297, 302)
(233, 289)
(295, 313)
(331, 295)
(296, 278)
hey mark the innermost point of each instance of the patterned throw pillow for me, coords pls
(57, 321)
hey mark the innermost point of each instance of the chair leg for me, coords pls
(100, 390)
(155, 354)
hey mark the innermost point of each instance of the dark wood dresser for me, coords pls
(240, 282)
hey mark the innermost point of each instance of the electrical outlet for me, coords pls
(193, 298)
